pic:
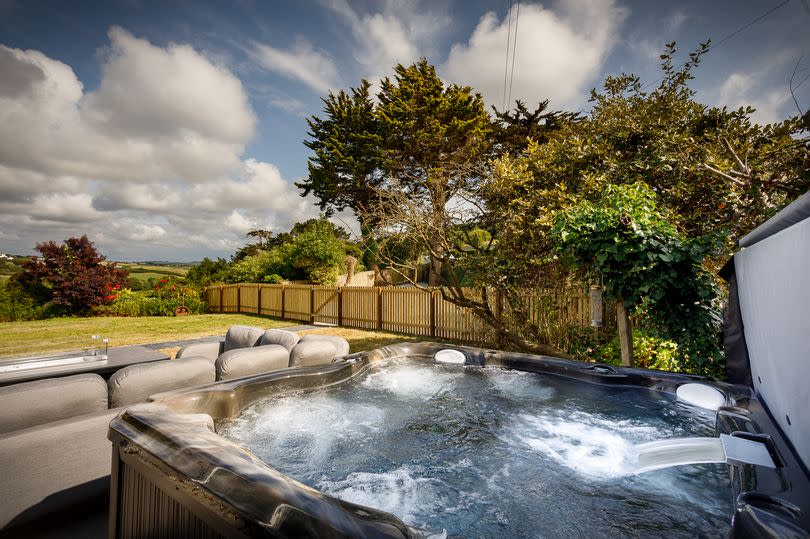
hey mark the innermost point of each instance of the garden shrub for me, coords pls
(163, 300)
(16, 304)
(650, 352)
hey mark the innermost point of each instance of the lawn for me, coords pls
(67, 334)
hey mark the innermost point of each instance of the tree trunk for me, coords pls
(625, 332)
(435, 265)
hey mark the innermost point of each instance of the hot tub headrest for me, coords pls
(341, 345)
(137, 382)
(242, 337)
(287, 339)
(31, 404)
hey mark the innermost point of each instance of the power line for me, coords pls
(506, 61)
(514, 48)
(729, 36)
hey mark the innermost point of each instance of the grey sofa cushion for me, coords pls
(312, 352)
(287, 339)
(137, 382)
(249, 361)
(210, 350)
(36, 403)
(242, 337)
(341, 344)
(39, 462)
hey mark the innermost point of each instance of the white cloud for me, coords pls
(144, 232)
(302, 63)
(149, 164)
(260, 187)
(157, 114)
(765, 89)
(559, 52)
(239, 223)
(400, 33)
(741, 89)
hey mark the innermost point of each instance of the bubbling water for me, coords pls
(489, 452)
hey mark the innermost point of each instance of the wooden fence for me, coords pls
(403, 310)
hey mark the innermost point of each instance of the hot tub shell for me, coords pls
(173, 475)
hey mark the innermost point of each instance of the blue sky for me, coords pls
(166, 130)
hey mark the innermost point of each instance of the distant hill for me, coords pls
(153, 269)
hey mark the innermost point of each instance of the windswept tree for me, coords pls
(435, 140)
(345, 169)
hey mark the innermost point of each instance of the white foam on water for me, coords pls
(401, 492)
(420, 382)
(590, 445)
(311, 424)
(518, 384)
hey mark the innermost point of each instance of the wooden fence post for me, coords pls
(432, 314)
(379, 308)
(340, 306)
(239, 298)
(311, 304)
(221, 302)
(259, 299)
(283, 289)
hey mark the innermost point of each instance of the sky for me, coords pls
(167, 130)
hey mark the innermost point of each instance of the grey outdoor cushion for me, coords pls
(36, 403)
(137, 382)
(341, 344)
(287, 339)
(242, 337)
(39, 463)
(210, 350)
(312, 352)
(248, 361)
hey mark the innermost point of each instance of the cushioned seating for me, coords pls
(43, 401)
(287, 339)
(308, 353)
(137, 382)
(209, 350)
(247, 361)
(341, 344)
(242, 337)
(50, 467)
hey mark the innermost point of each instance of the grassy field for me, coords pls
(67, 334)
(143, 272)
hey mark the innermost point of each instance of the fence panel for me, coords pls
(360, 307)
(459, 323)
(249, 298)
(230, 299)
(271, 297)
(212, 298)
(297, 302)
(406, 310)
(327, 304)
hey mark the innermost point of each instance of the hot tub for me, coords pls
(402, 442)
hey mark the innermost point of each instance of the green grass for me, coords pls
(145, 271)
(142, 276)
(67, 334)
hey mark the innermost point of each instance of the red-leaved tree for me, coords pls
(72, 276)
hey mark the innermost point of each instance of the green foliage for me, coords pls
(625, 241)
(16, 304)
(162, 300)
(650, 352)
(207, 271)
(314, 251)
